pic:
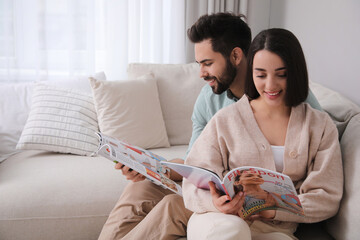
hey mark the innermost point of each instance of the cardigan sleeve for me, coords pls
(321, 191)
(205, 153)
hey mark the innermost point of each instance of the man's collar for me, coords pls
(231, 95)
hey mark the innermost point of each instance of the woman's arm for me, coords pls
(321, 191)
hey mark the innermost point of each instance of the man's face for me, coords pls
(214, 68)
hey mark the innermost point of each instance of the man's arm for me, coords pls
(199, 122)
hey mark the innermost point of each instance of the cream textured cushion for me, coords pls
(179, 86)
(130, 111)
(15, 102)
(60, 120)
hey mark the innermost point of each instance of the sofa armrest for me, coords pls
(345, 225)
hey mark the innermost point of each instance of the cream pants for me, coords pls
(224, 226)
(147, 211)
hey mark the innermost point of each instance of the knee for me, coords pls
(135, 190)
(173, 199)
(217, 226)
(174, 204)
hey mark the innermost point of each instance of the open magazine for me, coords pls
(264, 189)
(143, 161)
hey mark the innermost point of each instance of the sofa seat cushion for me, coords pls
(50, 190)
(178, 151)
(60, 196)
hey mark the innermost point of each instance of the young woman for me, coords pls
(269, 127)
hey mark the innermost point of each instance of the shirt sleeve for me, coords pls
(312, 100)
(199, 120)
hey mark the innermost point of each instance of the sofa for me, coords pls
(48, 191)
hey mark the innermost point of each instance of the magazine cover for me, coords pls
(265, 189)
(143, 161)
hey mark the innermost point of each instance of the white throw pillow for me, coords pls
(179, 86)
(60, 120)
(130, 111)
(15, 104)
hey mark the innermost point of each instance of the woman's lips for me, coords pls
(273, 95)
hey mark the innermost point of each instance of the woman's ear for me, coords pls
(236, 56)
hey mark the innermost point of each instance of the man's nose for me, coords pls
(203, 73)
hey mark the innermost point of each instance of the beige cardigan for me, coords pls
(312, 157)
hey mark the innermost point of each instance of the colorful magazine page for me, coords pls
(140, 160)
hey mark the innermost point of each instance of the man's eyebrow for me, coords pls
(205, 60)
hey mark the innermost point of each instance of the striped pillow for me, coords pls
(60, 120)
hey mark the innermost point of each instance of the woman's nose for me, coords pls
(270, 82)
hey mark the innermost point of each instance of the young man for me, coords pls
(147, 211)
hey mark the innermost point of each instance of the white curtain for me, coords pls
(61, 39)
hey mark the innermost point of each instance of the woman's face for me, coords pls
(250, 178)
(270, 76)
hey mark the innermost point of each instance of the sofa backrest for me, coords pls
(340, 109)
(178, 87)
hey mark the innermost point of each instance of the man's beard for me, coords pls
(225, 79)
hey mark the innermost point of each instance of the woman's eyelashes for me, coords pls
(279, 75)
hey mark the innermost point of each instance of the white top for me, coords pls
(278, 152)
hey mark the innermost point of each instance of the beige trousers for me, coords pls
(146, 211)
(215, 226)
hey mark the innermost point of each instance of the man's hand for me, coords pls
(174, 175)
(223, 202)
(129, 173)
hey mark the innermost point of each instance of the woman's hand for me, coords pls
(129, 173)
(223, 202)
(266, 215)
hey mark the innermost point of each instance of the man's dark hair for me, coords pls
(284, 44)
(225, 30)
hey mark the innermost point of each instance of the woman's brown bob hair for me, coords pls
(284, 44)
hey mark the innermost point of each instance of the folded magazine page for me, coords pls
(264, 189)
(140, 160)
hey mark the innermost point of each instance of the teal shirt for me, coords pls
(208, 103)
